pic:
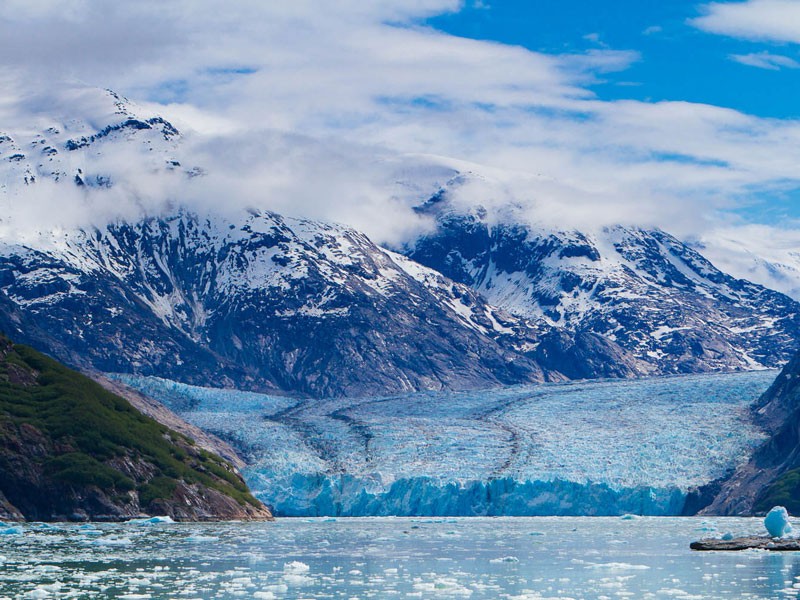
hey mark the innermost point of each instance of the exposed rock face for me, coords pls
(661, 303)
(70, 450)
(270, 303)
(257, 301)
(767, 479)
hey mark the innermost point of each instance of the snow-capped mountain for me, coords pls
(142, 279)
(265, 303)
(656, 297)
(88, 136)
(271, 303)
(765, 255)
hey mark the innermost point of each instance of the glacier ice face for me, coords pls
(604, 448)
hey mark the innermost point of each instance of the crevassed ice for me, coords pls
(605, 447)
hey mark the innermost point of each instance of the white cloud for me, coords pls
(765, 60)
(306, 108)
(774, 20)
(766, 255)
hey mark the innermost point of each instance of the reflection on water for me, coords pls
(491, 558)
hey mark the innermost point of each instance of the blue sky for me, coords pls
(678, 61)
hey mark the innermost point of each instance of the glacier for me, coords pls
(606, 447)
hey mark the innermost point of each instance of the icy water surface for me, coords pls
(477, 558)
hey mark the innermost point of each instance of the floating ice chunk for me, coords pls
(296, 567)
(628, 517)
(777, 522)
(444, 586)
(151, 520)
(617, 566)
(202, 539)
(296, 579)
(16, 530)
(111, 541)
(505, 559)
(727, 536)
(264, 595)
(162, 519)
(296, 573)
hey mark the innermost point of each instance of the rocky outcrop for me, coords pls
(769, 478)
(661, 305)
(70, 450)
(753, 542)
(266, 303)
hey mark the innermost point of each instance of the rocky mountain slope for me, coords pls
(71, 450)
(249, 299)
(772, 476)
(85, 137)
(272, 303)
(659, 300)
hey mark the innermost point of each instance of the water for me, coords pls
(578, 448)
(476, 558)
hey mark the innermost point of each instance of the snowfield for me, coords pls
(603, 448)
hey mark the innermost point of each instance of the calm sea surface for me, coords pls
(477, 558)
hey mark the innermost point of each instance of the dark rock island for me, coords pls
(748, 543)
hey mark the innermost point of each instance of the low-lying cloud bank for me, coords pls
(355, 112)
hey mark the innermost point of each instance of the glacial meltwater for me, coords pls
(514, 558)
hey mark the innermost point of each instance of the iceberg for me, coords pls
(777, 522)
(151, 520)
(611, 447)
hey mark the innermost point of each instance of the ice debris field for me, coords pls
(596, 448)
(550, 558)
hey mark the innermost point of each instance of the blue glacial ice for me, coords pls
(593, 448)
(777, 522)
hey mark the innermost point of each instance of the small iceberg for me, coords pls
(505, 559)
(202, 539)
(296, 567)
(8, 530)
(151, 521)
(628, 517)
(777, 522)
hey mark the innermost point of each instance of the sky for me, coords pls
(735, 55)
(680, 114)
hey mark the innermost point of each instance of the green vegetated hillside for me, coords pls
(784, 492)
(69, 449)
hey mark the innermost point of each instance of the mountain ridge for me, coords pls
(657, 298)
